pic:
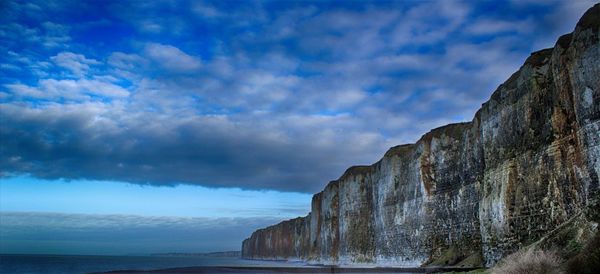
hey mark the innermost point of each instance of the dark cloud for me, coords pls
(260, 95)
(90, 141)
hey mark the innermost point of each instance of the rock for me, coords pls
(468, 193)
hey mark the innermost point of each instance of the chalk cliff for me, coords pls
(467, 193)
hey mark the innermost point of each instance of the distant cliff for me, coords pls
(467, 193)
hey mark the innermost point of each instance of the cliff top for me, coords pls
(355, 170)
(399, 150)
(454, 130)
(590, 19)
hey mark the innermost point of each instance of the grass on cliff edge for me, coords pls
(529, 261)
(588, 260)
(535, 261)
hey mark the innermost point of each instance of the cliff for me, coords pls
(467, 193)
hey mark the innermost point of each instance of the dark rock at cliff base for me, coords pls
(468, 194)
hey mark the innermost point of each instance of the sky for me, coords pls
(160, 124)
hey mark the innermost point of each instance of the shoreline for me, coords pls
(305, 269)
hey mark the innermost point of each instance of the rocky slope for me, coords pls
(467, 193)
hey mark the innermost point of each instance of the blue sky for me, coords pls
(206, 110)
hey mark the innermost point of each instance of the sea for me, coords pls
(67, 264)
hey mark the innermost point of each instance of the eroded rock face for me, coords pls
(467, 193)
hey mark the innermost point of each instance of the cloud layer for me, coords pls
(257, 95)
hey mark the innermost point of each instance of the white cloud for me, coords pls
(78, 90)
(9, 67)
(429, 22)
(172, 58)
(125, 61)
(47, 35)
(490, 26)
(150, 26)
(21, 90)
(206, 10)
(76, 63)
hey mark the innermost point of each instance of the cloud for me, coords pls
(489, 26)
(419, 25)
(47, 35)
(55, 34)
(110, 142)
(81, 89)
(171, 58)
(76, 63)
(255, 95)
(57, 233)
(206, 10)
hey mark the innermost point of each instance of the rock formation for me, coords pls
(472, 192)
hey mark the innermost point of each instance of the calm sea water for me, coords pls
(86, 264)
